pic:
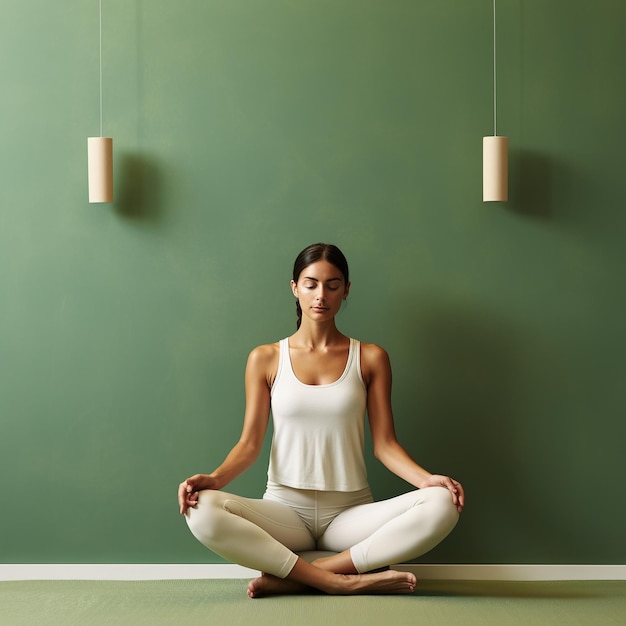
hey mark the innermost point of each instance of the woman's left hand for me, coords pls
(453, 486)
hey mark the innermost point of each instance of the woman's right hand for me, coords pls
(188, 490)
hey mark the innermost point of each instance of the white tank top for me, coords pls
(318, 429)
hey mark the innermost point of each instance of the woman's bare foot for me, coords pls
(268, 585)
(384, 583)
(388, 582)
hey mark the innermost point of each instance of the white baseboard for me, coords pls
(517, 572)
(194, 571)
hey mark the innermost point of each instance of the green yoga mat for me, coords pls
(224, 603)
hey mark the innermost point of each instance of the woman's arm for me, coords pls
(376, 370)
(260, 369)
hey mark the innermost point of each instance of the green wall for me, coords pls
(245, 130)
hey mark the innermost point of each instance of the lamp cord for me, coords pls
(494, 71)
(100, 27)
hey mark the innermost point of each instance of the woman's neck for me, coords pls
(317, 336)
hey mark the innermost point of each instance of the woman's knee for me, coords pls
(442, 506)
(207, 519)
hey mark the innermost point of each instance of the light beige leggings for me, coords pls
(267, 534)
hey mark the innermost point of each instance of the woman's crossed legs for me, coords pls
(266, 535)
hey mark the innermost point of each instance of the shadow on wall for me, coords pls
(530, 184)
(464, 415)
(464, 379)
(138, 188)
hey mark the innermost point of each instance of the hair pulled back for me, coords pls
(319, 252)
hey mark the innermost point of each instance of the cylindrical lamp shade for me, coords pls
(100, 163)
(495, 169)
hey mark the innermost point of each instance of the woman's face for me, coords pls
(320, 289)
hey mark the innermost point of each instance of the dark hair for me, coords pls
(319, 252)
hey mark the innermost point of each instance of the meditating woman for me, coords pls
(318, 385)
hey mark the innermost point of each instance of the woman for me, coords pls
(319, 384)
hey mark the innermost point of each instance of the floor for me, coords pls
(224, 602)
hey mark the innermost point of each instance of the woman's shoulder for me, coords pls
(263, 362)
(374, 361)
(373, 351)
(265, 352)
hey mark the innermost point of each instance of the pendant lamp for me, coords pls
(100, 152)
(495, 148)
